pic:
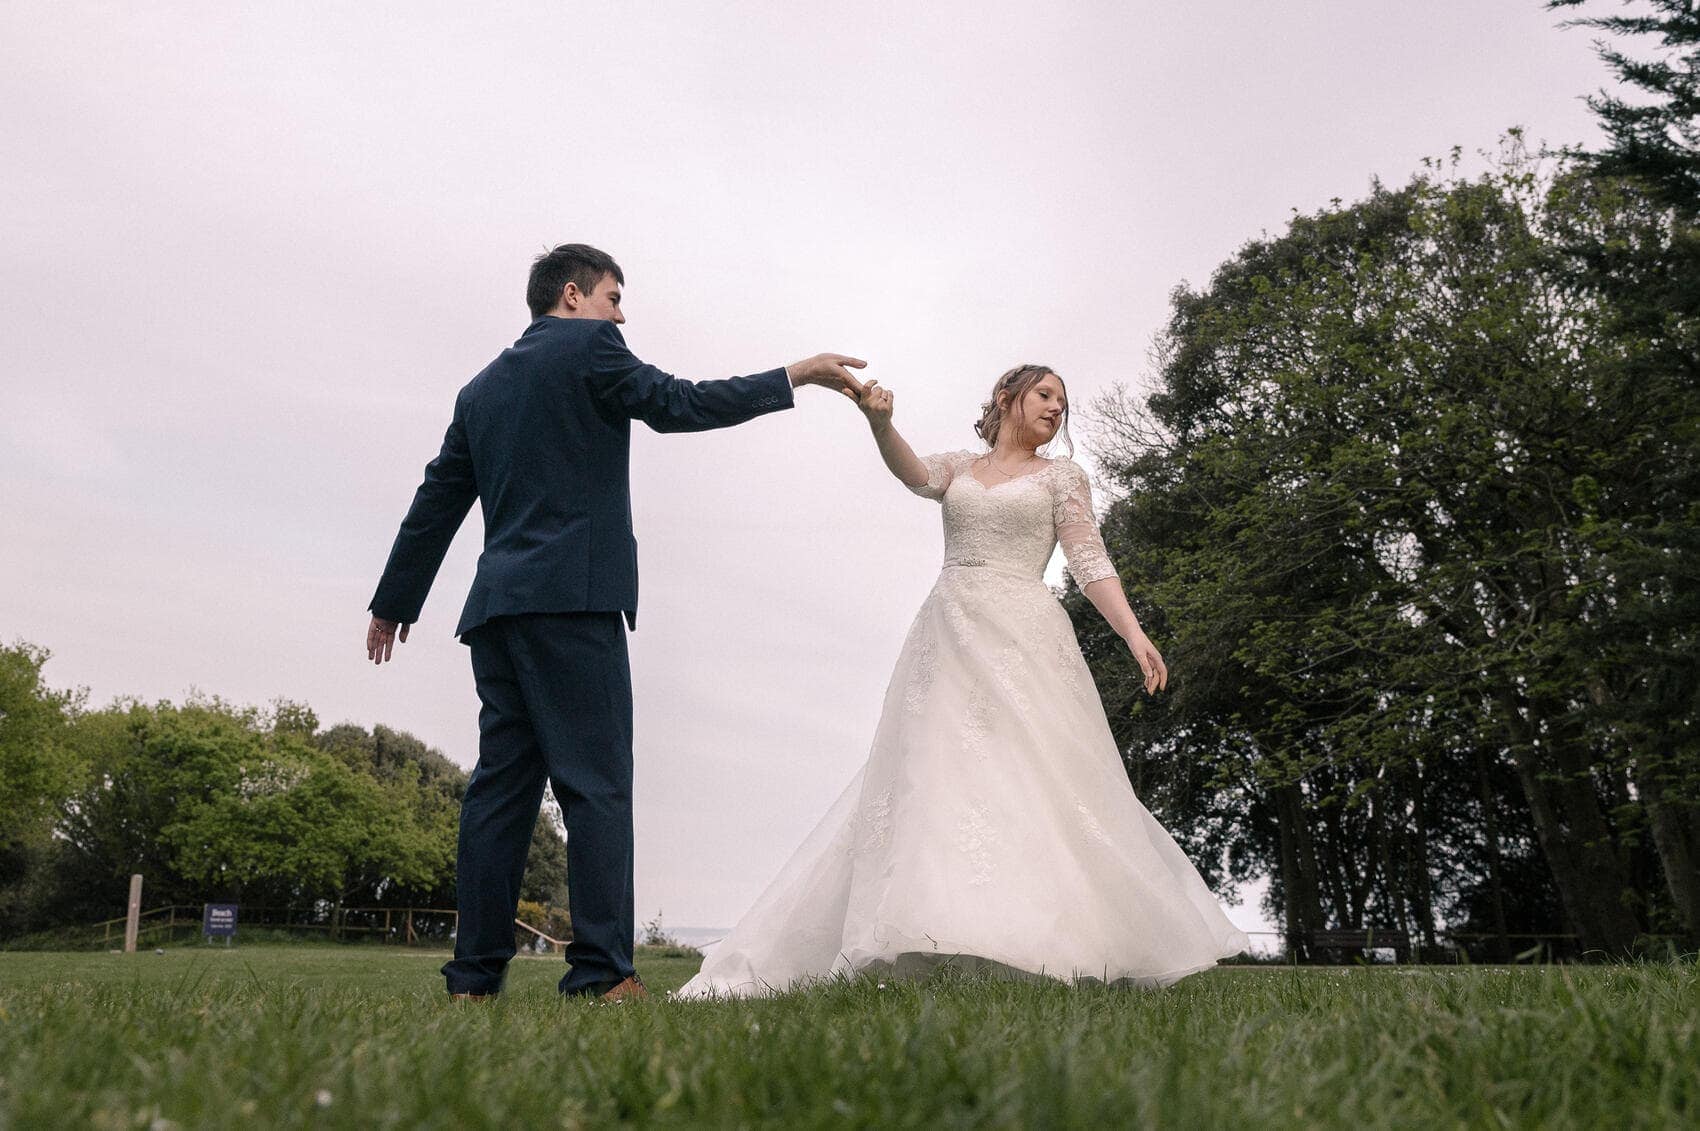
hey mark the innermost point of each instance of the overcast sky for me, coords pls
(254, 250)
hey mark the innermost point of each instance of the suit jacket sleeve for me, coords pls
(669, 404)
(439, 507)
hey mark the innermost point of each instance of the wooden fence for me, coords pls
(402, 926)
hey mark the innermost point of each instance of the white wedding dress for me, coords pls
(993, 825)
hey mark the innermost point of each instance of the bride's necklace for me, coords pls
(992, 463)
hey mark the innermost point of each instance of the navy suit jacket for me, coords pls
(542, 439)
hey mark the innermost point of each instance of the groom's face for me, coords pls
(602, 301)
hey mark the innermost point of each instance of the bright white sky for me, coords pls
(254, 250)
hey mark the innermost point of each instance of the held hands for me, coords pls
(381, 638)
(828, 370)
(1150, 662)
(875, 404)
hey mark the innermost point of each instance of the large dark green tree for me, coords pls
(1652, 289)
(1387, 499)
(1653, 136)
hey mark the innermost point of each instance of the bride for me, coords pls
(992, 826)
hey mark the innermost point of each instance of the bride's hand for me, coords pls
(875, 404)
(1151, 663)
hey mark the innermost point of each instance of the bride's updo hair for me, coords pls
(1008, 392)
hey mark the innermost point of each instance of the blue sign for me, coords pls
(219, 919)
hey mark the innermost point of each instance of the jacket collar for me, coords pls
(543, 323)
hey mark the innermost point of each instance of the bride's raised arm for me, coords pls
(899, 457)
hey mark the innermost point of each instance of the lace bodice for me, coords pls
(1015, 525)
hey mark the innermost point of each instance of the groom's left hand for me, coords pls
(829, 370)
(381, 638)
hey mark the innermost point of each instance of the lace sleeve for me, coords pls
(941, 468)
(1077, 527)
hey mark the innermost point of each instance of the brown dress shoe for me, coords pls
(632, 989)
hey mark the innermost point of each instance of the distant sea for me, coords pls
(700, 937)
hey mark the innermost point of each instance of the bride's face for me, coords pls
(1040, 414)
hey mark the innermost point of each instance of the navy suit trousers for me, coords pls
(556, 690)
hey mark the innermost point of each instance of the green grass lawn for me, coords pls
(364, 1037)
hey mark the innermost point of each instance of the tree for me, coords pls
(38, 769)
(1386, 497)
(209, 800)
(425, 783)
(1651, 286)
(1656, 139)
(298, 825)
(546, 868)
(149, 763)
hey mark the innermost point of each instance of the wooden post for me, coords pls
(133, 921)
(410, 926)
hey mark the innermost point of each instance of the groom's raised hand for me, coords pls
(829, 370)
(381, 637)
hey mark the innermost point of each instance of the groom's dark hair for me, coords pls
(576, 263)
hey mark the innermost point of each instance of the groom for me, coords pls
(541, 440)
